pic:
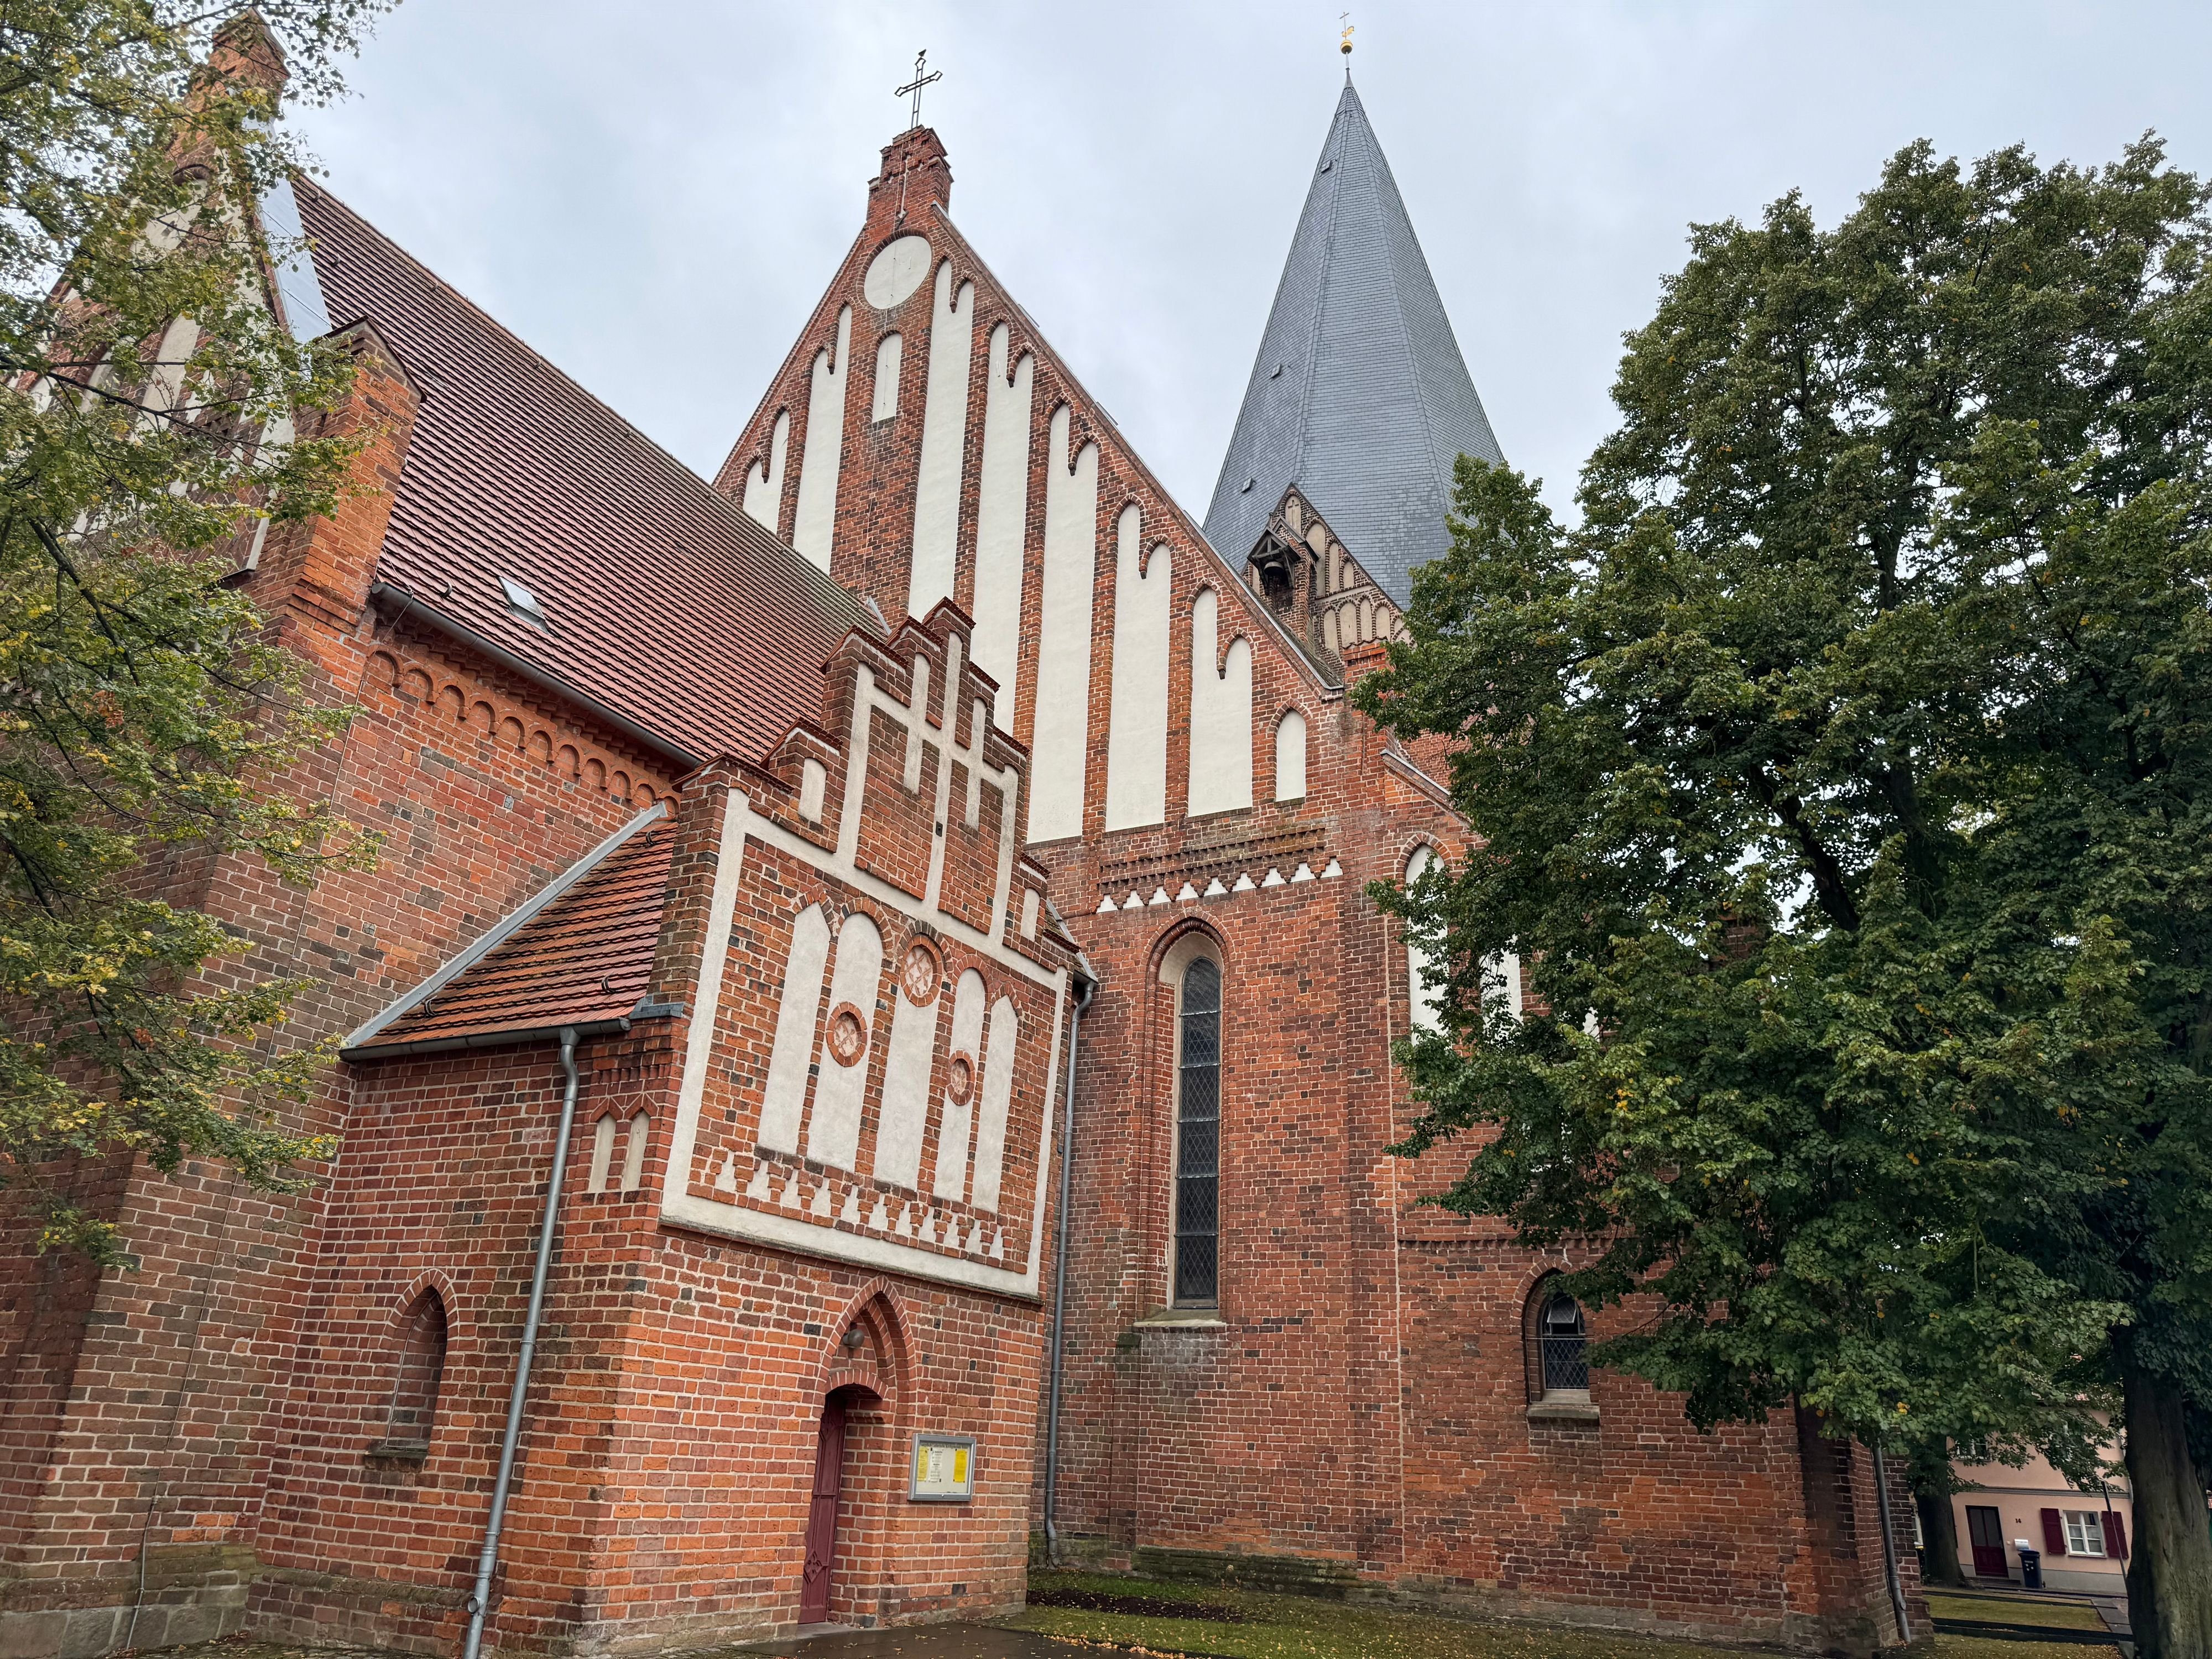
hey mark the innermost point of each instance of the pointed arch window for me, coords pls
(414, 1405)
(1198, 1135)
(1424, 997)
(1557, 1337)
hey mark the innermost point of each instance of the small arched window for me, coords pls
(422, 1367)
(1198, 1135)
(1559, 1338)
(637, 1134)
(1423, 995)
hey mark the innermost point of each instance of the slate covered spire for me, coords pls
(1359, 395)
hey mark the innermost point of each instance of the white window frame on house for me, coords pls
(2085, 1532)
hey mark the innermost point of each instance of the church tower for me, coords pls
(1359, 396)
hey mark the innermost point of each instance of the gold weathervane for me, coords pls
(1344, 43)
(921, 80)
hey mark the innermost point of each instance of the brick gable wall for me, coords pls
(1357, 1406)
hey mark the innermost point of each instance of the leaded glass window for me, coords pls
(1564, 1338)
(1198, 1136)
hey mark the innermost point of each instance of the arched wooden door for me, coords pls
(822, 1517)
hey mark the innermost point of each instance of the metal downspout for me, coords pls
(1889, 1546)
(487, 1561)
(1060, 1280)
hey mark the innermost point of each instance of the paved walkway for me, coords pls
(920, 1642)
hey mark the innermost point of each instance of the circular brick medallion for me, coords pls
(960, 1079)
(919, 974)
(848, 1035)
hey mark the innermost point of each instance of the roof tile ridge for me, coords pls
(706, 492)
(1142, 467)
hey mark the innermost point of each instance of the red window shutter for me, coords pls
(2116, 1535)
(2054, 1534)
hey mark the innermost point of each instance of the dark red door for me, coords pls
(822, 1517)
(1987, 1538)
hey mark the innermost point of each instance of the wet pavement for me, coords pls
(922, 1641)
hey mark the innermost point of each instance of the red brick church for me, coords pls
(923, 868)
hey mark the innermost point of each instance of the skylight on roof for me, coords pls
(524, 603)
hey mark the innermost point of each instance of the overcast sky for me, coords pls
(653, 195)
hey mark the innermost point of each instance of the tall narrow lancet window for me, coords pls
(422, 1367)
(1198, 1136)
(1424, 994)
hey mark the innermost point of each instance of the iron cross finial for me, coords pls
(915, 86)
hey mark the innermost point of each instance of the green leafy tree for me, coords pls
(154, 411)
(1845, 780)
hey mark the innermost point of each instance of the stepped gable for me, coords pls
(579, 954)
(1359, 396)
(661, 599)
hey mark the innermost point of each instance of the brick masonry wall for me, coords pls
(662, 1496)
(135, 1410)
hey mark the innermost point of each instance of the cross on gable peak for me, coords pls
(923, 77)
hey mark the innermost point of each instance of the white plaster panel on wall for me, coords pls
(1002, 510)
(963, 1072)
(798, 1008)
(637, 1134)
(1137, 736)
(888, 352)
(1290, 757)
(1426, 998)
(896, 271)
(824, 446)
(1060, 735)
(944, 443)
(833, 1131)
(1220, 714)
(905, 1089)
(764, 480)
(603, 1152)
(997, 1093)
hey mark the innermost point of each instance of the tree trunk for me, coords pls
(2169, 1567)
(1939, 1533)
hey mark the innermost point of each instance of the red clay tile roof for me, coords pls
(588, 957)
(667, 603)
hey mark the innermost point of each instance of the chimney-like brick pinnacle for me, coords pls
(915, 173)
